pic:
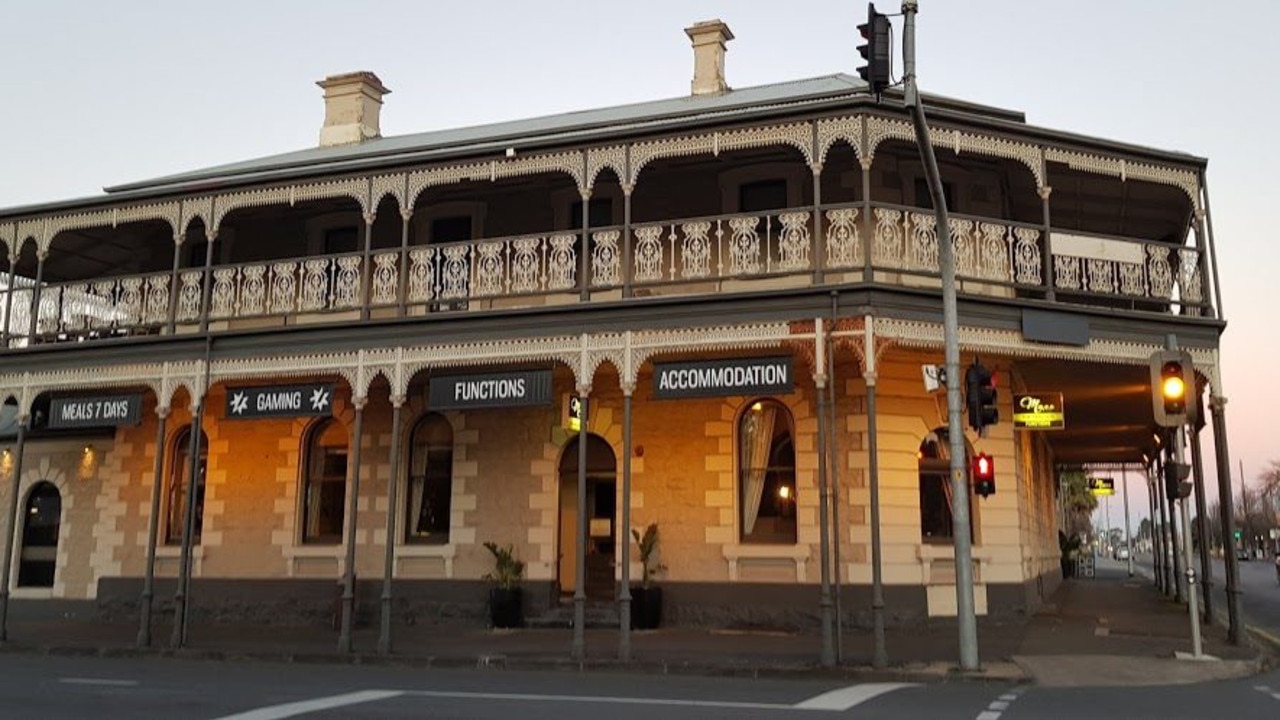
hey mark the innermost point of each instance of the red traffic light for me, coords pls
(984, 474)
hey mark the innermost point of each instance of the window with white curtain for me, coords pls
(430, 482)
(766, 474)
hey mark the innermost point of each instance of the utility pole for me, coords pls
(965, 614)
(1247, 537)
(1128, 541)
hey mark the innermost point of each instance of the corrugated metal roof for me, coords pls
(517, 130)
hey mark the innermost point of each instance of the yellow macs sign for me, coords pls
(1038, 411)
(1102, 486)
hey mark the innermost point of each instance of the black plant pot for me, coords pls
(506, 607)
(1068, 567)
(646, 607)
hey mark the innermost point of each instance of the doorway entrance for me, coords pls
(43, 518)
(602, 477)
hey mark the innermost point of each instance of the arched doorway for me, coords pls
(602, 484)
(43, 517)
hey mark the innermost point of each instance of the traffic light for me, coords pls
(875, 50)
(980, 395)
(1173, 379)
(984, 475)
(1176, 485)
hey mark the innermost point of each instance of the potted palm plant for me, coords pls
(505, 599)
(646, 600)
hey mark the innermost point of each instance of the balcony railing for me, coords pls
(688, 256)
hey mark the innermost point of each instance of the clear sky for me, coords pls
(95, 94)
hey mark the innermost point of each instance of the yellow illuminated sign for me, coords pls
(1102, 486)
(1038, 411)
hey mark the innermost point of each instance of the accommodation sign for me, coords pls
(88, 411)
(1038, 411)
(516, 388)
(279, 401)
(715, 378)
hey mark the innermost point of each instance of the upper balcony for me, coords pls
(487, 237)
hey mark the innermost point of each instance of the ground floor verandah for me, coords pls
(285, 506)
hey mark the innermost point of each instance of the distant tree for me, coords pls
(1145, 529)
(1077, 502)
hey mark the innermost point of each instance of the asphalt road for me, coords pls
(56, 688)
(1261, 600)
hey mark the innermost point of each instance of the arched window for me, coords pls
(40, 524)
(324, 483)
(430, 481)
(766, 474)
(179, 473)
(935, 488)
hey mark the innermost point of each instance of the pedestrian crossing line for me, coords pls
(834, 701)
(847, 697)
(294, 709)
(997, 707)
(1266, 690)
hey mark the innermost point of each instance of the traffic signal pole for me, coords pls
(1193, 602)
(965, 614)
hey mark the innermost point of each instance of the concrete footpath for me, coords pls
(1107, 630)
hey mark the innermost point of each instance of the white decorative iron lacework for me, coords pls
(253, 291)
(348, 282)
(157, 307)
(648, 254)
(695, 250)
(993, 252)
(562, 262)
(744, 245)
(222, 298)
(844, 241)
(490, 269)
(284, 287)
(890, 245)
(1027, 259)
(606, 261)
(455, 272)
(422, 264)
(964, 248)
(385, 278)
(1189, 283)
(794, 244)
(315, 285)
(526, 265)
(1066, 272)
(1100, 275)
(1131, 280)
(922, 242)
(190, 285)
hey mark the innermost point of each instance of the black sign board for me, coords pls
(718, 378)
(88, 411)
(1102, 486)
(486, 390)
(1038, 411)
(279, 401)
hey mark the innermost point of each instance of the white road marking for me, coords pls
(997, 707)
(846, 697)
(98, 681)
(293, 709)
(837, 700)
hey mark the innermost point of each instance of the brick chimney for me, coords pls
(352, 103)
(708, 38)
